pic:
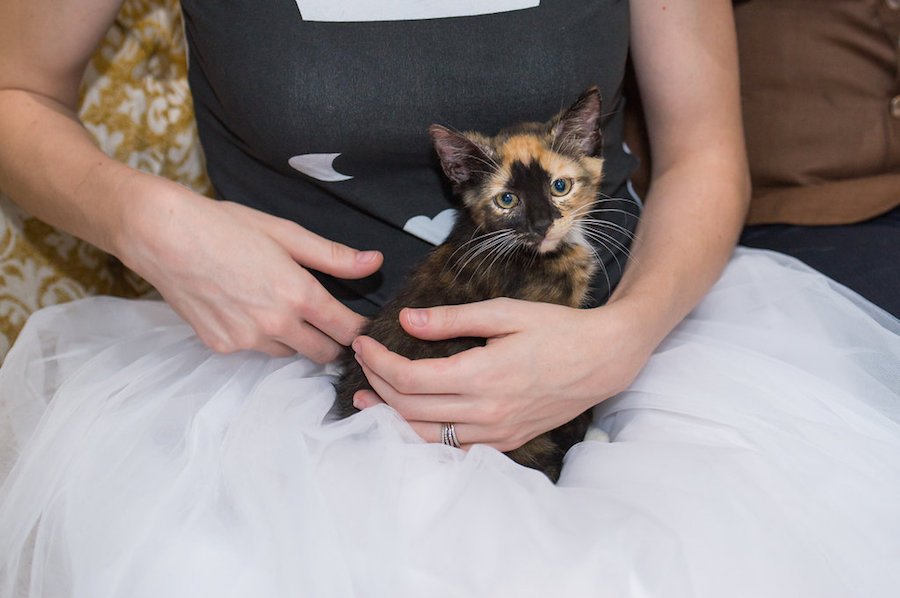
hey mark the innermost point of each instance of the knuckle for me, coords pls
(510, 433)
(496, 414)
(274, 323)
(341, 328)
(282, 351)
(482, 382)
(216, 344)
(297, 299)
(513, 438)
(446, 368)
(219, 344)
(294, 292)
(449, 315)
(338, 253)
(505, 446)
(404, 382)
(246, 339)
(286, 226)
(508, 442)
(504, 304)
(323, 355)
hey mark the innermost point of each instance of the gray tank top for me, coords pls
(318, 111)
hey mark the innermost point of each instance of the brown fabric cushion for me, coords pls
(821, 92)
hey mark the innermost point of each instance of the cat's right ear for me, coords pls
(579, 125)
(463, 160)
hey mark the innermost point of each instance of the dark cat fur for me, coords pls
(524, 160)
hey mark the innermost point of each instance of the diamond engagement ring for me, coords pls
(448, 435)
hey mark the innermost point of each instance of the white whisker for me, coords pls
(506, 244)
(602, 263)
(485, 245)
(474, 239)
(602, 236)
(610, 225)
(602, 267)
(503, 252)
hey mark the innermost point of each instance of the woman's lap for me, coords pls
(862, 256)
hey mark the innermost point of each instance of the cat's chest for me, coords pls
(563, 278)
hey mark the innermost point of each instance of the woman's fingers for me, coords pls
(321, 310)
(242, 281)
(276, 349)
(467, 435)
(411, 377)
(316, 252)
(544, 365)
(484, 319)
(428, 407)
(312, 342)
(311, 251)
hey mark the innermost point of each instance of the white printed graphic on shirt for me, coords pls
(355, 11)
(319, 167)
(433, 230)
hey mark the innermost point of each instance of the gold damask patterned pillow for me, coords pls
(136, 103)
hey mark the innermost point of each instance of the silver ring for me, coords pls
(448, 435)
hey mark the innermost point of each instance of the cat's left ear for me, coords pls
(462, 159)
(580, 124)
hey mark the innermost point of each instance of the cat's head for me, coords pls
(535, 179)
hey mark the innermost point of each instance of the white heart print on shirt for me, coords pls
(321, 167)
(433, 230)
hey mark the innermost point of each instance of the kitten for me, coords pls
(526, 197)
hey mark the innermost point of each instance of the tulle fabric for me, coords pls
(758, 454)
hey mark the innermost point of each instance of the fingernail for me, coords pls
(355, 346)
(417, 317)
(358, 404)
(366, 256)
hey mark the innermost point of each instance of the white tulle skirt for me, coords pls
(757, 455)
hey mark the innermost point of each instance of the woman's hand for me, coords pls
(239, 276)
(542, 366)
(236, 275)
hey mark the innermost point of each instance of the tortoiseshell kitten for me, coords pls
(526, 196)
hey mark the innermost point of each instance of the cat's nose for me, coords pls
(540, 227)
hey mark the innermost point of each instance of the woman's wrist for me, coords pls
(648, 316)
(633, 328)
(143, 213)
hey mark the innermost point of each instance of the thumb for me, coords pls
(324, 255)
(485, 319)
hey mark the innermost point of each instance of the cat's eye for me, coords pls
(506, 200)
(560, 187)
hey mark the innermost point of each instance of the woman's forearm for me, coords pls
(687, 232)
(51, 166)
(685, 57)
